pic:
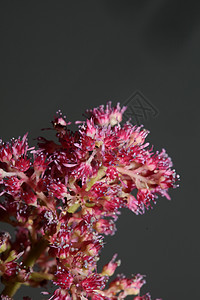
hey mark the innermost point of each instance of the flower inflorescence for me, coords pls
(65, 196)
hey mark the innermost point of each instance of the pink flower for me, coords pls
(19, 146)
(13, 185)
(109, 115)
(5, 152)
(60, 244)
(22, 164)
(40, 164)
(105, 226)
(53, 187)
(66, 196)
(63, 278)
(94, 282)
(60, 294)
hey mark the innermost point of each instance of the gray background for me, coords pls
(74, 55)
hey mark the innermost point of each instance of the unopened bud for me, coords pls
(110, 268)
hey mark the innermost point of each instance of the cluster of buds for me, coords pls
(65, 196)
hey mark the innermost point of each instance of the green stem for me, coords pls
(39, 247)
(35, 252)
(11, 289)
(37, 276)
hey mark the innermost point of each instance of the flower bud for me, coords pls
(110, 268)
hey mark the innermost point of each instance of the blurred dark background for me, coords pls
(74, 55)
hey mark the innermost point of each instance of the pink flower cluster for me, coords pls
(65, 196)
